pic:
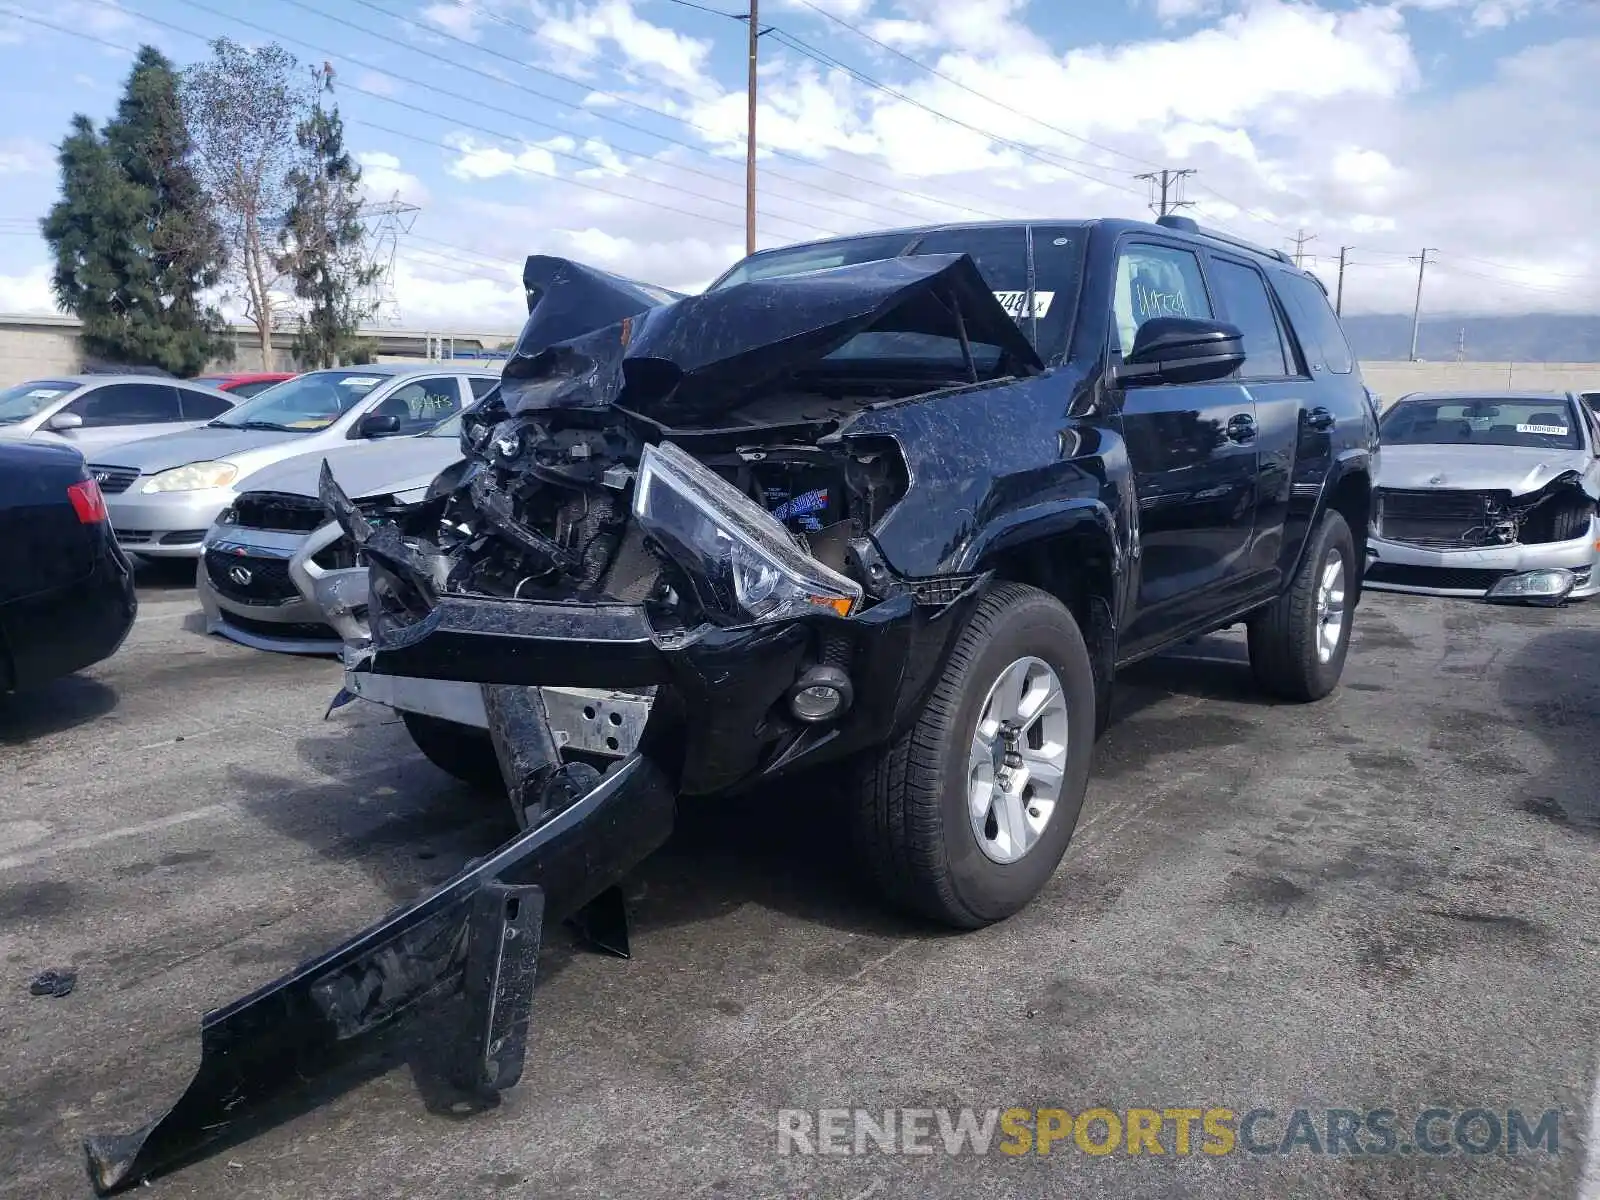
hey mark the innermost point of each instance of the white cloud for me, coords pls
(24, 156)
(488, 162)
(459, 18)
(377, 81)
(28, 292)
(382, 179)
(1300, 113)
(654, 50)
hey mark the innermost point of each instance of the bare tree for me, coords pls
(242, 108)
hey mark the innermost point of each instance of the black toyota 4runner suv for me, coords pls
(902, 504)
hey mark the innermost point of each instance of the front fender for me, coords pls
(1048, 521)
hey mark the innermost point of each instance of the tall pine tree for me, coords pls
(133, 240)
(324, 243)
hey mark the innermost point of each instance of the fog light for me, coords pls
(820, 694)
(1548, 586)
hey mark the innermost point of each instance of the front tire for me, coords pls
(1298, 643)
(964, 818)
(456, 749)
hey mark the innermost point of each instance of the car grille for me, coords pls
(1437, 518)
(268, 579)
(1453, 579)
(113, 481)
(282, 512)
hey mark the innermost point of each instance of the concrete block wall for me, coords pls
(33, 352)
(1394, 379)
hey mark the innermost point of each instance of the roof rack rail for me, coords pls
(1190, 225)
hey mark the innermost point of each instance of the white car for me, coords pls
(96, 412)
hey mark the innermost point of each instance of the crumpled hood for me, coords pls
(1516, 469)
(190, 445)
(362, 469)
(703, 355)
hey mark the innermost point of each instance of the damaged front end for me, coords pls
(676, 501)
(669, 504)
(1532, 542)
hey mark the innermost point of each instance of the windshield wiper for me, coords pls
(272, 426)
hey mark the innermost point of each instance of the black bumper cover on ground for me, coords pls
(477, 935)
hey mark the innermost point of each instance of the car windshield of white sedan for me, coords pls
(1491, 421)
(27, 399)
(303, 405)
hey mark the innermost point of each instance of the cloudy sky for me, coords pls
(613, 130)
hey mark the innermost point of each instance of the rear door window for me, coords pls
(1247, 304)
(422, 403)
(481, 387)
(1320, 334)
(198, 406)
(128, 404)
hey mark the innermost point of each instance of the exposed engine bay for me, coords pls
(754, 400)
(1557, 512)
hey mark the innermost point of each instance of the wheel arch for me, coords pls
(1070, 551)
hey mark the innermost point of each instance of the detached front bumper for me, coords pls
(311, 609)
(1403, 567)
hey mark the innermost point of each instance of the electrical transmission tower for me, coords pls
(1166, 190)
(387, 221)
(1300, 240)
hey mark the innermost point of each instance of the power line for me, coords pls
(1300, 239)
(465, 99)
(826, 60)
(385, 129)
(934, 71)
(591, 90)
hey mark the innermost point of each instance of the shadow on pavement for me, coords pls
(53, 707)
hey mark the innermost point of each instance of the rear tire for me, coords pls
(917, 825)
(1298, 643)
(456, 749)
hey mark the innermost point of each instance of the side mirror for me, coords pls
(1182, 350)
(64, 421)
(377, 425)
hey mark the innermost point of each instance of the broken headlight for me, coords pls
(739, 559)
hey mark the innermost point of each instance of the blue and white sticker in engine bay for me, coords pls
(1016, 304)
(1545, 430)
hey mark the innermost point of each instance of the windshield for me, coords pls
(1547, 423)
(1009, 257)
(29, 399)
(304, 404)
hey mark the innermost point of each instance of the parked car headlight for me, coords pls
(195, 477)
(740, 560)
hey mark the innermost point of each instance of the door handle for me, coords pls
(1241, 427)
(1320, 418)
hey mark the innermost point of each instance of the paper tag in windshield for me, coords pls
(46, 393)
(360, 381)
(1016, 304)
(1547, 430)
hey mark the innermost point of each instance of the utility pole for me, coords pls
(1338, 294)
(1300, 240)
(1461, 344)
(750, 138)
(1416, 311)
(1166, 183)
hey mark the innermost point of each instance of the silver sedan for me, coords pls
(1490, 496)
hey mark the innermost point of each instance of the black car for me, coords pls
(904, 502)
(899, 506)
(66, 594)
